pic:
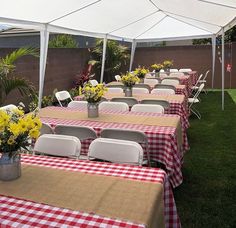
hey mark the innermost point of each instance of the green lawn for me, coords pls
(207, 197)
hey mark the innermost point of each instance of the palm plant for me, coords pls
(116, 55)
(10, 82)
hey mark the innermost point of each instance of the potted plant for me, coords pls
(93, 94)
(16, 130)
(167, 64)
(129, 81)
(140, 72)
(157, 68)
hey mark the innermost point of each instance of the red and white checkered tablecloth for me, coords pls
(163, 145)
(23, 213)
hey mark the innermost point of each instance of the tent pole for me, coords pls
(44, 37)
(213, 39)
(103, 58)
(132, 54)
(223, 68)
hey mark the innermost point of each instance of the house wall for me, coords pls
(64, 64)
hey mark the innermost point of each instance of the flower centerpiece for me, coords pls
(140, 72)
(16, 131)
(157, 68)
(93, 95)
(129, 81)
(167, 64)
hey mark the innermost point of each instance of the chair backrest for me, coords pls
(165, 104)
(80, 132)
(206, 74)
(58, 145)
(93, 82)
(151, 108)
(163, 86)
(62, 95)
(176, 74)
(151, 81)
(142, 85)
(46, 129)
(116, 150)
(78, 104)
(185, 70)
(163, 91)
(198, 80)
(149, 75)
(137, 90)
(170, 81)
(174, 70)
(162, 71)
(118, 77)
(9, 107)
(113, 106)
(130, 101)
(115, 86)
(114, 90)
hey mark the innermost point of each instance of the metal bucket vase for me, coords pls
(10, 167)
(167, 70)
(157, 74)
(93, 110)
(128, 92)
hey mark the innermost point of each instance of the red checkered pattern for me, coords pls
(163, 146)
(23, 213)
(182, 91)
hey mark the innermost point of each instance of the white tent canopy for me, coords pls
(128, 20)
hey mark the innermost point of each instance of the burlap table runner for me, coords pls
(163, 121)
(139, 202)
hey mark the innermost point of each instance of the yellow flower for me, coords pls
(23, 126)
(34, 133)
(14, 129)
(11, 140)
(18, 111)
(4, 118)
(37, 122)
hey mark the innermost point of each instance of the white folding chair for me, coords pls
(194, 100)
(78, 104)
(62, 96)
(93, 82)
(162, 71)
(151, 81)
(185, 70)
(125, 134)
(114, 90)
(165, 104)
(163, 91)
(196, 87)
(142, 85)
(46, 129)
(174, 70)
(116, 150)
(113, 106)
(58, 145)
(204, 80)
(170, 81)
(9, 107)
(176, 74)
(137, 90)
(151, 108)
(130, 101)
(118, 78)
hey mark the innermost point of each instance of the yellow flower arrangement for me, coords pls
(168, 63)
(129, 79)
(141, 72)
(93, 94)
(157, 67)
(16, 129)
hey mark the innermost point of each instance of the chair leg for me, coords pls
(196, 112)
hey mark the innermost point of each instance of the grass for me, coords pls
(207, 197)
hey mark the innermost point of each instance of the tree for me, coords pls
(63, 41)
(116, 55)
(10, 82)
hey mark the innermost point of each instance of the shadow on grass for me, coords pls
(207, 196)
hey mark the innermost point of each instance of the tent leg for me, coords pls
(44, 37)
(213, 39)
(223, 69)
(132, 55)
(103, 58)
